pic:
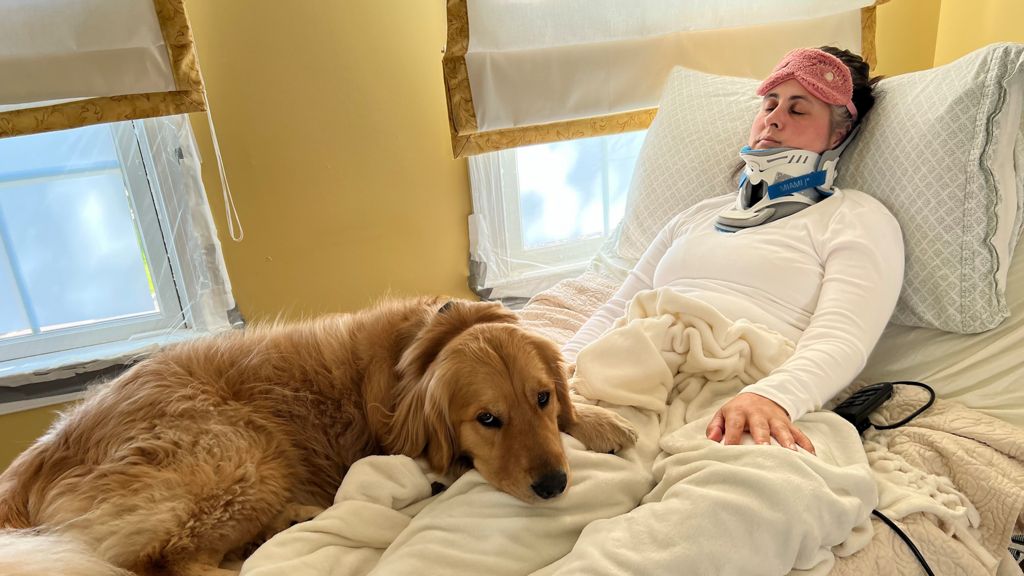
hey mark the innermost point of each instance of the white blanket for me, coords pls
(710, 508)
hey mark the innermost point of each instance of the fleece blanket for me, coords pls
(676, 499)
(983, 456)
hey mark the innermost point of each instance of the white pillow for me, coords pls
(942, 149)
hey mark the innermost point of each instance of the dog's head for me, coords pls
(480, 391)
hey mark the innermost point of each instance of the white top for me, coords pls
(826, 277)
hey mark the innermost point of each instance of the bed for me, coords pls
(959, 327)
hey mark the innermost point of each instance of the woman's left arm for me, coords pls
(863, 273)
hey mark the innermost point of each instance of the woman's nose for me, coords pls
(773, 118)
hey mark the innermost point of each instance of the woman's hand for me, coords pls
(762, 417)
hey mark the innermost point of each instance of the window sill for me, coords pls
(72, 369)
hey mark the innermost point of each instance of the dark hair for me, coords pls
(860, 73)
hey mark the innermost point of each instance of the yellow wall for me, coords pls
(966, 25)
(332, 122)
(898, 50)
(18, 430)
(333, 127)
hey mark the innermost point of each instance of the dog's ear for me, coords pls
(442, 445)
(407, 428)
(452, 319)
(558, 369)
(422, 423)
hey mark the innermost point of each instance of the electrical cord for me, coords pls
(907, 540)
(899, 532)
(917, 412)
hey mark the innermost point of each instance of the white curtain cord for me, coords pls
(230, 212)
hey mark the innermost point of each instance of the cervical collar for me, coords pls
(779, 182)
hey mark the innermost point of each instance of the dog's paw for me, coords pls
(602, 430)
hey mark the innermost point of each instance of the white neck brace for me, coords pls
(779, 182)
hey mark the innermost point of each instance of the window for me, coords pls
(78, 234)
(542, 212)
(100, 240)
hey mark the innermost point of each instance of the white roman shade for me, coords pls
(519, 73)
(71, 63)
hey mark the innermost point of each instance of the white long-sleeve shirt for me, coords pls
(826, 277)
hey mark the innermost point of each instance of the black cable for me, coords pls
(906, 539)
(899, 532)
(917, 412)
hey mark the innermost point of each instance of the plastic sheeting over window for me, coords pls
(207, 290)
(520, 73)
(541, 212)
(110, 250)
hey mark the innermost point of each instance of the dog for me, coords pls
(195, 453)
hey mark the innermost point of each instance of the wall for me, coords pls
(966, 25)
(332, 122)
(899, 51)
(18, 430)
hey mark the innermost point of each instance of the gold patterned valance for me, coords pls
(527, 73)
(71, 64)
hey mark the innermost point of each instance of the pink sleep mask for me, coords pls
(820, 73)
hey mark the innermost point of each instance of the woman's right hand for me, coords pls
(762, 417)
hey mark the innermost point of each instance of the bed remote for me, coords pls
(858, 407)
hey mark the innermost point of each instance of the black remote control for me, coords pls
(858, 407)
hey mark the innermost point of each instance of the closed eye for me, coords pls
(543, 398)
(488, 420)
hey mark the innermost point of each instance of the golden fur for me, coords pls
(212, 445)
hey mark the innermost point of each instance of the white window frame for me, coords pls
(497, 235)
(144, 210)
(572, 254)
(155, 181)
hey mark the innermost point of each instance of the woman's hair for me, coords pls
(863, 88)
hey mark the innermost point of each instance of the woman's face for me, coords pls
(792, 117)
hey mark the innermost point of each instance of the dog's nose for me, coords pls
(550, 485)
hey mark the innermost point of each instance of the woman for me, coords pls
(796, 261)
(827, 277)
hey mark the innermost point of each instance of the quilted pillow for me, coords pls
(943, 149)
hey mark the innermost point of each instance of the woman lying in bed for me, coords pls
(827, 278)
(820, 266)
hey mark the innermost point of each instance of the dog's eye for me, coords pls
(543, 398)
(489, 420)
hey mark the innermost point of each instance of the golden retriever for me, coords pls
(209, 446)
